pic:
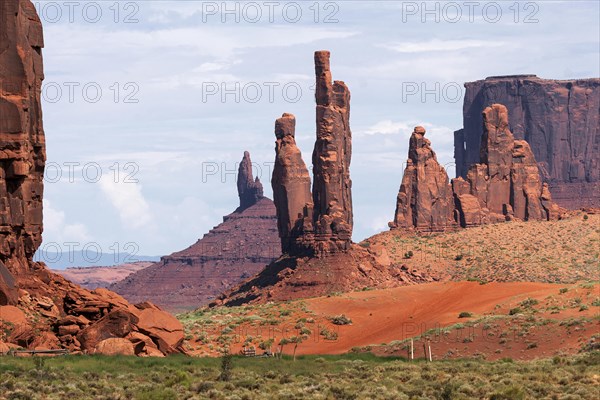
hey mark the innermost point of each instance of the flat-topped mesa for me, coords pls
(425, 200)
(332, 197)
(22, 143)
(250, 190)
(506, 183)
(291, 190)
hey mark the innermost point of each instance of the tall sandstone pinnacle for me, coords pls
(52, 312)
(322, 223)
(560, 119)
(332, 187)
(291, 189)
(425, 199)
(506, 184)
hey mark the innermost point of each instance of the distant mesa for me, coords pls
(235, 250)
(560, 119)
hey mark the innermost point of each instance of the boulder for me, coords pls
(164, 329)
(114, 347)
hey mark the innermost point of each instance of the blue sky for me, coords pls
(164, 123)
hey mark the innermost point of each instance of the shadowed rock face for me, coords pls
(250, 190)
(559, 119)
(332, 195)
(425, 199)
(59, 313)
(506, 184)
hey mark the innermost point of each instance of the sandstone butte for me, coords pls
(315, 228)
(560, 119)
(504, 185)
(231, 252)
(39, 309)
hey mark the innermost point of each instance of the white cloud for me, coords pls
(129, 202)
(441, 45)
(57, 230)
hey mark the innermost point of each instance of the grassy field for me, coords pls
(352, 376)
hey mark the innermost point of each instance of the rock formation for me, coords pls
(425, 199)
(22, 145)
(332, 195)
(291, 190)
(249, 190)
(236, 249)
(322, 224)
(315, 231)
(506, 184)
(558, 118)
(39, 309)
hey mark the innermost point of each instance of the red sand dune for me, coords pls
(381, 316)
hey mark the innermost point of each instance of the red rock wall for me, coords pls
(560, 121)
(22, 145)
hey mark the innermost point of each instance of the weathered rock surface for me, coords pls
(558, 118)
(332, 187)
(58, 313)
(235, 250)
(505, 185)
(291, 190)
(22, 145)
(322, 224)
(425, 200)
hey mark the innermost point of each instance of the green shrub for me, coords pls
(465, 314)
(340, 320)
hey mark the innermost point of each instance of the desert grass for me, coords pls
(351, 376)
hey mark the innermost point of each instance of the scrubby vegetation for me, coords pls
(564, 251)
(352, 376)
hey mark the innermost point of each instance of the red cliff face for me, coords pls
(39, 309)
(504, 185)
(558, 118)
(425, 199)
(234, 250)
(22, 145)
